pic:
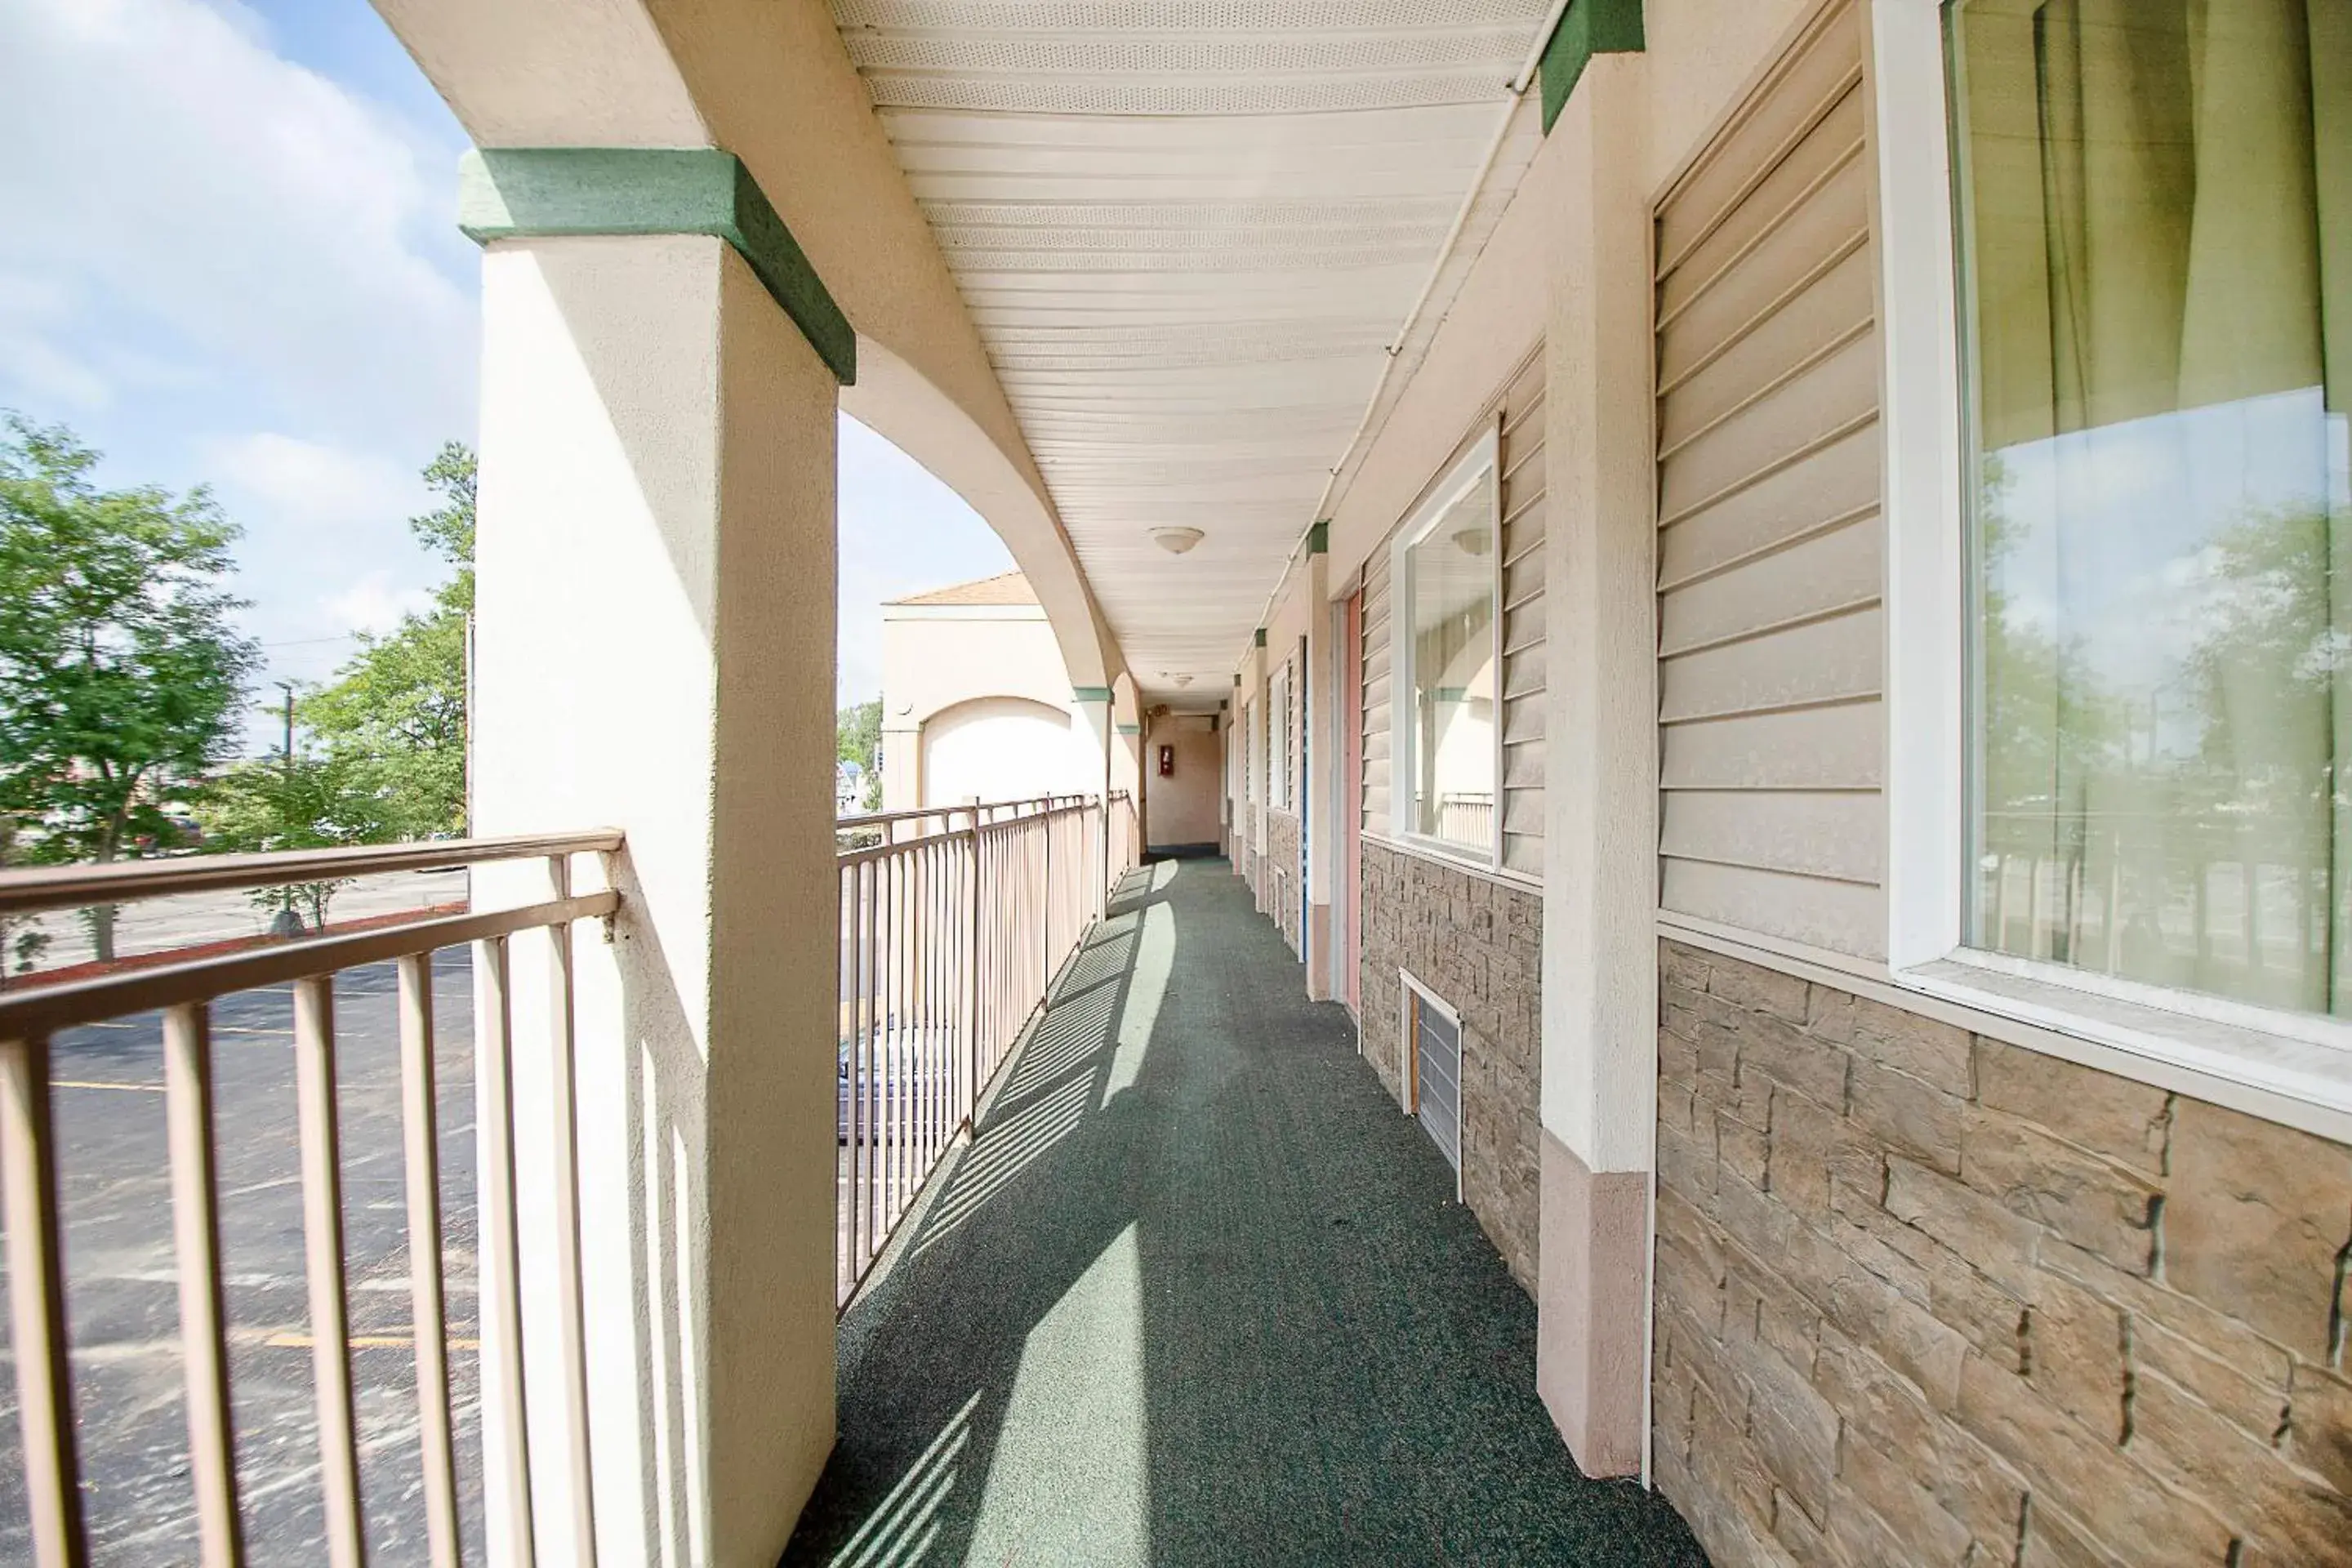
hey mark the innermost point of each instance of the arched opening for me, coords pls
(997, 748)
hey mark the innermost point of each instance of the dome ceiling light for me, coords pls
(1176, 540)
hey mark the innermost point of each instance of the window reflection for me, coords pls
(2156, 206)
(1450, 570)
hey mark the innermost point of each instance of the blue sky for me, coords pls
(229, 259)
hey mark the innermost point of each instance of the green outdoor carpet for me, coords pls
(1200, 1294)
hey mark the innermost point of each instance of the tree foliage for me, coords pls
(304, 802)
(122, 673)
(857, 737)
(399, 705)
(22, 941)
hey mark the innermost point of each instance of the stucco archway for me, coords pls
(997, 748)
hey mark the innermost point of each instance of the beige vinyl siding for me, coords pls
(1521, 452)
(1771, 632)
(1518, 414)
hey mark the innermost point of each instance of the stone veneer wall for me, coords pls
(1478, 944)
(1923, 1298)
(1278, 890)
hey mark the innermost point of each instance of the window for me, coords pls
(2154, 214)
(1449, 659)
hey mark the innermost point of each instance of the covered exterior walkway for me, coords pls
(1199, 1293)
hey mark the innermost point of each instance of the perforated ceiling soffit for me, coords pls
(1191, 233)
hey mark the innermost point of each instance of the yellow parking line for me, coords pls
(83, 1083)
(294, 1341)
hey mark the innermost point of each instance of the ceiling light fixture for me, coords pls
(1176, 540)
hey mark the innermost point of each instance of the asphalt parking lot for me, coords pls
(122, 1292)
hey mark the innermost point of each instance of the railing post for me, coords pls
(195, 1224)
(501, 1284)
(572, 1312)
(421, 1146)
(972, 980)
(322, 1231)
(37, 1294)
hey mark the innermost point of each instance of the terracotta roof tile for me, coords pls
(1011, 588)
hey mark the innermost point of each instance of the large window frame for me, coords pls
(2305, 1057)
(1484, 459)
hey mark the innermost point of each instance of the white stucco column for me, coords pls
(1319, 790)
(1126, 742)
(1599, 954)
(1254, 769)
(1090, 734)
(902, 761)
(1127, 764)
(654, 652)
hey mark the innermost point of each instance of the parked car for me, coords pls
(900, 1098)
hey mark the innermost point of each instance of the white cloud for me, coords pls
(374, 606)
(198, 191)
(311, 484)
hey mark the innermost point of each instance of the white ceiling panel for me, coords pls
(1190, 233)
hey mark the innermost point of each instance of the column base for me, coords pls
(1591, 1302)
(1319, 952)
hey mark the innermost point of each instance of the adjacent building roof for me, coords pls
(1011, 588)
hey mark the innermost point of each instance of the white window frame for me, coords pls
(2302, 1056)
(1404, 715)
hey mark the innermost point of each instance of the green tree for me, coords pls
(22, 941)
(122, 673)
(858, 736)
(308, 801)
(400, 703)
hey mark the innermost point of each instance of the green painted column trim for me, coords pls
(1261, 637)
(1588, 27)
(1130, 729)
(525, 193)
(1318, 538)
(1089, 693)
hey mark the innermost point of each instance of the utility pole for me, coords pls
(288, 688)
(288, 922)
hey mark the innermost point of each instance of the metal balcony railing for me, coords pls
(184, 992)
(953, 924)
(952, 927)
